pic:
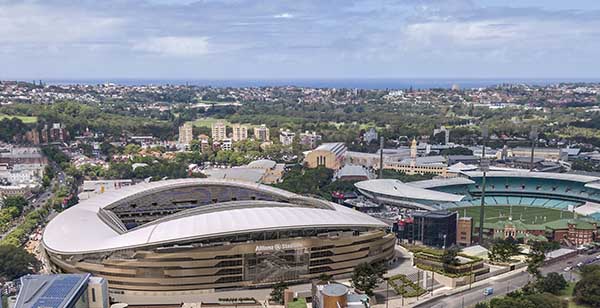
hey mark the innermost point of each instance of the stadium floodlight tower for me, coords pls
(381, 144)
(484, 165)
(533, 136)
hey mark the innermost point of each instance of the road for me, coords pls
(505, 285)
(37, 201)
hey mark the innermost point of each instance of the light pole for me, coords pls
(418, 282)
(533, 135)
(484, 165)
(444, 247)
(471, 277)
(387, 292)
(381, 157)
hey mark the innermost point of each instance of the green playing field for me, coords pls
(526, 214)
(25, 119)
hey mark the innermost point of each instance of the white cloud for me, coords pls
(518, 33)
(284, 16)
(178, 46)
(31, 23)
(462, 33)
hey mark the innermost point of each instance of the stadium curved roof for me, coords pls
(534, 175)
(433, 183)
(398, 189)
(594, 185)
(80, 228)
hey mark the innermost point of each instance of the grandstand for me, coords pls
(535, 184)
(557, 204)
(553, 191)
(524, 214)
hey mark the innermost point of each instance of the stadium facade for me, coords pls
(198, 235)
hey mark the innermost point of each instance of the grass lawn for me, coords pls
(298, 303)
(25, 119)
(207, 122)
(366, 126)
(527, 214)
(567, 293)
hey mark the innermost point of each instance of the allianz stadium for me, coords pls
(560, 191)
(198, 234)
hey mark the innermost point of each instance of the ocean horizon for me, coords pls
(352, 83)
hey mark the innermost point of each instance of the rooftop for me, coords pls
(353, 170)
(441, 182)
(335, 147)
(396, 188)
(262, 164)
(247, 174)
(580, 224)
(434, 214)
(50, 291)
(334, 289)
(537, 175)
(426, 160)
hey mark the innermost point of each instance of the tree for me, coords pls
(195, 145)
(439, 138)
(16, 202)
(403, 177)
(456, 151)
(132, 149)
(12, 129)
(536, 258)
(307, 181)
(16, 262)
(482, 305)
(524, 300)
(55, 155)
(325, 277)
(449, 256)
(366, 276)
(587, 290)
(277, 293)
(107, 149)
(551, 283)
(503, 249)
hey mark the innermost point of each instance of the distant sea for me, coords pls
(376, 83)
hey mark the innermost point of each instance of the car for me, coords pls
(597, 257)
(579, 264)
(488, 291)
(568, 268)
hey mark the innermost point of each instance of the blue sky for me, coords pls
(222, 39)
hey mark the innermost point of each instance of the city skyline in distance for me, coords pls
(274, 40)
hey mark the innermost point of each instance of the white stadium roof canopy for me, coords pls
(398, 189)
(79, 229)
(535, 175)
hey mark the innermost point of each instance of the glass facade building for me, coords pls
(436, 228)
